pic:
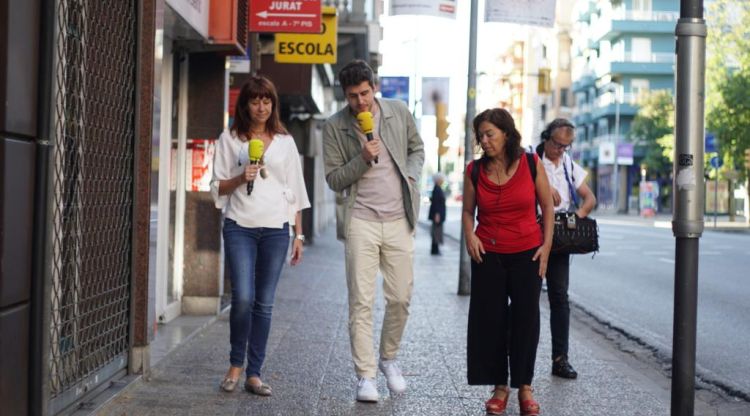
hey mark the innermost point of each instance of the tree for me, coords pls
(728, 78)
(653, 129)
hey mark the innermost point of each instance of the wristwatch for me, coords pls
(300, 237)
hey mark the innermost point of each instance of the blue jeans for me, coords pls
(255, 257)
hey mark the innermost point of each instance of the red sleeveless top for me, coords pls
(507, 213)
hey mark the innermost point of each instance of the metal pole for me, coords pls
(464, 270)
(716, 195)
(615, 175)
(38, 343)
(687, 220)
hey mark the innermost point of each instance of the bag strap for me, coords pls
(475, 174)
(571, 189)
(532, 167)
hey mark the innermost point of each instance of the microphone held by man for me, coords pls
(366, 123)
(254, 153)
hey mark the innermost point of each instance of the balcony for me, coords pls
(635, 21)
(584, 82)
(582, 114)
(585, 11)
(605, 105)
(658, 63)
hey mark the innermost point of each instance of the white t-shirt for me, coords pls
(556, 176)
(275, 199)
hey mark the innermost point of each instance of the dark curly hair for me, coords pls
(256, 87)
(355, 73)
(501, 119)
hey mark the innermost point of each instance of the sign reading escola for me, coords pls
(309, 48)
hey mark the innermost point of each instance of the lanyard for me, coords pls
(567, 179)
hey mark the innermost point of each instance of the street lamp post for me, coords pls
(688, 212)
(464, 269)
(615, 87)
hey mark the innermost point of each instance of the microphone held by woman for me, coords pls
(254, 153)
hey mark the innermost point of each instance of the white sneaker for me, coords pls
(367, 390)
(396, 382)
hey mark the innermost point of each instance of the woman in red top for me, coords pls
(509, 252)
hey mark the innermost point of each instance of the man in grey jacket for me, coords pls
(377, 206)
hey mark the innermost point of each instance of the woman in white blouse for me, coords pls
(256, 225)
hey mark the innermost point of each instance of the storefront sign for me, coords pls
(648, 198)
(395, 87)
(310, 49)
(525, 12)
(606, 153)
(434, 89)
(239, 64)
(285, 16)
(625, 154)
(200, 155)
(439, 8)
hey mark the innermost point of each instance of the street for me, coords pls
(629, 285)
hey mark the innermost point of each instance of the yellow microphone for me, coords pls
(254, 153)
(366, 124)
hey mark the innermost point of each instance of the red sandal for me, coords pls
(528, 407)
(496, 406)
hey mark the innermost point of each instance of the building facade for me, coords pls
(107, 231)
(620, 51)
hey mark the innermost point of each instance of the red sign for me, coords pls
(285, 16)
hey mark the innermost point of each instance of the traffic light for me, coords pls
(441, 127)
(747, 158)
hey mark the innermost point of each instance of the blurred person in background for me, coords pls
(437, 213)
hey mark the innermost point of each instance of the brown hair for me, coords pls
(256, 87)
(355, 73)
(501, 119)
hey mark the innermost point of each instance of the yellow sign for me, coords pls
(293, 48)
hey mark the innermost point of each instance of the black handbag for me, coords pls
(572, 234)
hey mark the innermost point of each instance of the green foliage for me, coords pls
(728, 78)
(653, 128)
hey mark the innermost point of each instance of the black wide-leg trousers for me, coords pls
(503, 327)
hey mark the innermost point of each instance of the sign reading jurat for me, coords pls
(285, 16)
(309, 49)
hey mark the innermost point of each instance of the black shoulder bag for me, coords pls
(574, 235)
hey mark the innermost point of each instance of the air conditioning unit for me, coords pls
(228, 25)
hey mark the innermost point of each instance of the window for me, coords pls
(564, 97)
(638, 88)
(642, 5)
(641, 50)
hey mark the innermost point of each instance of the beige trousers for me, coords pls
(371, 245)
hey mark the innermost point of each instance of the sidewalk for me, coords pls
(309, 363)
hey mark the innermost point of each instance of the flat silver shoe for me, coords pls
(229, 385)
(262, 390)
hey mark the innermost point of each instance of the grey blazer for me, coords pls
(344, 165)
